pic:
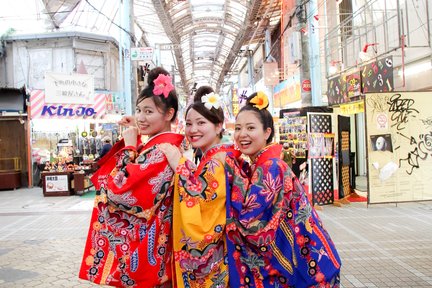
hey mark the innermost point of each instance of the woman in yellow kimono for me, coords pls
(199, 213)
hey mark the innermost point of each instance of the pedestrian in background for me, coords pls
(106, 146)
(287, 155)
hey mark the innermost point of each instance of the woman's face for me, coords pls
(200, 132)
(150, 119)
(249, 133)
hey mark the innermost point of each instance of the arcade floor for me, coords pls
(42, 240)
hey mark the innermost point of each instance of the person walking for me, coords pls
(287, 155)
(106, 146)
(275, 237)
(129, 240)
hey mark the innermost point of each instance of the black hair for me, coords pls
(215, 116)
(163, 103)
(264, 115)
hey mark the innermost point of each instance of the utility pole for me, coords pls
(314, 57)
(125, 77)
(305, 83)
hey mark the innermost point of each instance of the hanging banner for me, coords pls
(378, 76)
(43, 110)
(353, 84)
(69, 89)
(336, 90)
(399, 145)
(287, 92)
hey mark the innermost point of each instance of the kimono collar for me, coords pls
(216, 149)
(270, 151)
(164, 137)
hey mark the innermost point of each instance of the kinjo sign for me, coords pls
(43, 110)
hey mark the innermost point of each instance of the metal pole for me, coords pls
(250, 64)
(314, 54)
(306, 96)
(127, 61)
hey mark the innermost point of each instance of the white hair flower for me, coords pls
(211, 100)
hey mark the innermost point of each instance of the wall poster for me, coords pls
(399, 146)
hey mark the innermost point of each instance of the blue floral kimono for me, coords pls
(275, 238)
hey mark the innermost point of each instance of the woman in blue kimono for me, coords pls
(275, 237)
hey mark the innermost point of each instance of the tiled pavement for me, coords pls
(42, 239)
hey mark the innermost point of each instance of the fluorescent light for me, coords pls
(416, 68)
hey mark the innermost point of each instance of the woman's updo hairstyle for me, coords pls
(214, 115)
(258, 103)
(161, 101)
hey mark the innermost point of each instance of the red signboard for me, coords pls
(306, 85)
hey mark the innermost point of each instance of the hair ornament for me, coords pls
(163, 85)
(211, 100)
(260, 101)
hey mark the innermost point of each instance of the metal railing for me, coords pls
(14, 162)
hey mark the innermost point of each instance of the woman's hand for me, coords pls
(130, 136)
(127, 121)
(172, 154)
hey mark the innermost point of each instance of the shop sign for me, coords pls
(141, 53)
(56, 183)
(352, 108)
(69, 89)
(306, 85)
(52, 110)
(41, 109)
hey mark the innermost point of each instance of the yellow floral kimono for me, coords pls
(199, 218)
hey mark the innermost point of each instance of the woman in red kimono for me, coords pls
(129, 241)
(200, 196)
(275, 237)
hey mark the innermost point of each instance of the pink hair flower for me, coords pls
(163, 85)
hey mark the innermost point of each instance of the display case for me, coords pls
(292, 130)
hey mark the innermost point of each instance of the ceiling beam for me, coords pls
(166, 21)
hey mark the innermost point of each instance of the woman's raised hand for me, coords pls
(172, 154)
(127, 121)
(130, 136)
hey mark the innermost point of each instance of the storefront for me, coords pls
(66, 135)
(14, 170)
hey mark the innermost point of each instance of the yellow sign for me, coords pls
(352, 108)
(235, 104)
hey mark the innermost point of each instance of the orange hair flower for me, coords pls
(260, 101)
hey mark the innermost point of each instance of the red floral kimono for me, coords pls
(275, 237)
(128, 243)
(199, 220)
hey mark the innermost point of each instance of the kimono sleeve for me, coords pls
(262, 202)
(202, 198)
(132, 168)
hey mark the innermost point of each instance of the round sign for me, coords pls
(306, 85)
